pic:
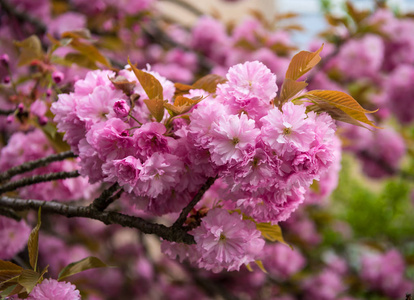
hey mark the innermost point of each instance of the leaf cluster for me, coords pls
(14, 280)
(339, 105)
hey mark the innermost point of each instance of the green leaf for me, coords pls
(81, 60)
(315, 187)
(209, 82)
(302, 63)
(259, 263)
(290, 89)
(28, 279)
(340, 101)
(87, 263)
(8, 276)
(7, 265)
(8, 271)
(30, 49)
(77, 34)
(8, 291)
(90, 52)
(33, 243)
(271, 232)
(156, 108)
(150, 84)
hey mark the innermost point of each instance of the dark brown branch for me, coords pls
(105, 199)
(11, 186)
(34, 164)
(9, 213)
(212, 288)
(22, 16)
(158, 36)
(6, 112)
(107, 217)
(385, 166)
(184, 213)
(186, 5)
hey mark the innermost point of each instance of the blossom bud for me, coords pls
(121, 108)
(49, 92)
(58, 76)
(43, 120)
(10, 119)
(6, 79)
(20, 107)
(4, 60)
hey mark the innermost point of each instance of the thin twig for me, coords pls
(385, 166)
(9, 213)
(23, 17)
(11, 186)
(6, 112)
(186, 5)
(184, 213)
(107, 217)
(104, 200)
(212, 288)
(34, 164)
(157, 35)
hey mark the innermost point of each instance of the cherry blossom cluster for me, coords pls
(266, 156)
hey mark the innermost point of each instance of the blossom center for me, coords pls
(287, 131)
(222, 237)
(235, 140)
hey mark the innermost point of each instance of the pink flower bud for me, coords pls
(10, 119)
(6, 79)
(58, 76)
(4, 60)
(43, 120)
(121, 108)
(20, 107)
(49, 92)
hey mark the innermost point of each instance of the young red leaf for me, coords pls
(181, 89)
(121, 83)
(150, 84)
(341, 101)
(209, 82)
(181, 105)
(302, 63)
(290, 89)
(156, 108)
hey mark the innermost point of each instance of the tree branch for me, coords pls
(105, 199)
(385, 166)
(184, 213)
(37, 179)
(34, 164)
(211, 287)
(9, 213)
(23, 17)
(184, 4)
(6, 112)
(167, 233)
